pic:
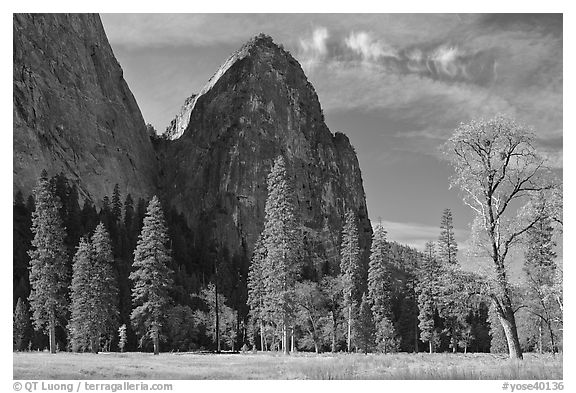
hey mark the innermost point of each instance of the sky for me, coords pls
(397, 84)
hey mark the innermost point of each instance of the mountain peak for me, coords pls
(263, 53)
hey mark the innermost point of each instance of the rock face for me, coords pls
(180, 122)
(73, 111)
(259, 105)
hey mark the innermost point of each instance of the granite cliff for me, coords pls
(258, 105)
(73, 112)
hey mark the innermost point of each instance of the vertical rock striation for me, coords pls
(73, 112)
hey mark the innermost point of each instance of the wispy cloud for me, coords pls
(369, 49)
(435, 84)
(313, 49)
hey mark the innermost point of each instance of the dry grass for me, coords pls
(38, 365)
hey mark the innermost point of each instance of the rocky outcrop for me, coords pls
(73, 111)
(180, 122)
(259, 105)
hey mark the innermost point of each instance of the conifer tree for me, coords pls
(93, 293)
(116, 203)
(21, 327)
(151, 276)
(350, 269)
(447, 246)
(122, 339)
(281, 240)
(128, 212)
(365, 326)
(256, 289)
(48, 257)
(379, 286)
(83, 333)
(105, 283)
(106, 209)
(427, 289)
(88, 217)
(450, 305)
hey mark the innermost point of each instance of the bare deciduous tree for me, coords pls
(501, 176)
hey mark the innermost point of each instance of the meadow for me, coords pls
(142, 366)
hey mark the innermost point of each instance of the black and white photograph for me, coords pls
(287, 196)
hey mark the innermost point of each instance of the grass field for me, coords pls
(42, 365)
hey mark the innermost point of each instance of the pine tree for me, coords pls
(122, 337)
(48, 257)
(281, 240)
(427, 288)
(21, 326)
(105, 283)
(450, 305)
(350, 269)
(128, 212)
(151, 276)
(93, 293)
(379, 286)
(88, 217)
(447, 246)
(83, 333)
(72, 220)
(257, 288)
(365, 329)
(116, 203)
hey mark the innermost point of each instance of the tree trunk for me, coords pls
(293, 345)
(430, 345)
(333, 332)
(52, 334)
(454, 344)
(217, 312)
(285, 337)
(416, 336)
(552, 341)
(262, 340)
(94, 344)
(349, 341)
(506, 316)
(156, 341)
(540, 336)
